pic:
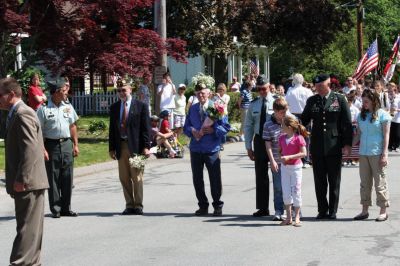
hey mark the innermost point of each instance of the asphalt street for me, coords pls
(169, 234)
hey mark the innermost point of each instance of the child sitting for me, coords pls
(165, 135)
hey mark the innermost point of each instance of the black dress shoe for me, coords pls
(201, 211)
(56, 215)
(217, 211)
(321, 215)
(138, 211)
(69, 213)
(128, 211)
(261, 213)
(332, 216)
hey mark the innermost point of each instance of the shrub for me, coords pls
(97, 127)
(203, 78)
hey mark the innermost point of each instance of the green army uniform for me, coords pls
(55, 122)
(331, 131)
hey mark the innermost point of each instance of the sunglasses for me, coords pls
(121, 90)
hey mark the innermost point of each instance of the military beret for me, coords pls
(260, 81)
(55, 85)
(320, 78)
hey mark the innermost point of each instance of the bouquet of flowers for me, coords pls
(214, 111)
(137, 161)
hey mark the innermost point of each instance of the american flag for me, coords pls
(253, 67)
(369, 61)
(393, 60)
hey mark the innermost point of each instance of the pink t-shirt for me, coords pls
(293, 147)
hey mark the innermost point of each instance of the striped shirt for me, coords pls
(272, 132)
(247, 97)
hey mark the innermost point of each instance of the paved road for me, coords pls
(168, 233)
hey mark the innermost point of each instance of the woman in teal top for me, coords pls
(373, 134)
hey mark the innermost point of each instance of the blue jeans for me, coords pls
(213, 165)
(278, 200)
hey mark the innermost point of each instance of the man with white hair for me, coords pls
(205, 145)
(297, 97)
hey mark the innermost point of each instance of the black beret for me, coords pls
(320, 78)
(260, 81)
(55, 85)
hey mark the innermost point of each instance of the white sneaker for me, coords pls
(241, 138)
(306, 165)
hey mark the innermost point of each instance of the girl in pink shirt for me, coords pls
(292, 148)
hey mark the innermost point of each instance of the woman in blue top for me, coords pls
(373, 134)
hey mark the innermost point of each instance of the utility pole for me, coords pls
(360, 17)
(160, 26)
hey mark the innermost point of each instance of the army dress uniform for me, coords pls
(258, 113)
(55, 121)
(331, 131)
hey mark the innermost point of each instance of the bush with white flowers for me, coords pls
(203, 78)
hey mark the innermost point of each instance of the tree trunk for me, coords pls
(221, 69)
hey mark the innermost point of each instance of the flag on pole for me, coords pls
(393, 60)
(368, 62)
(253, 67)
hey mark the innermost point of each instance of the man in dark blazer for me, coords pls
(26, 179)
(129, 134)
(331, 136)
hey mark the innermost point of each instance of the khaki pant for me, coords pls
(371, 172)
(131, 179)
(29, 213)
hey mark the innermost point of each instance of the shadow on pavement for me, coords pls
(7, 218)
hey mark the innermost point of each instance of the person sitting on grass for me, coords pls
(166, 135)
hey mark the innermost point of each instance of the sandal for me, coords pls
(283, 223)
(382, 217)
(297, 224)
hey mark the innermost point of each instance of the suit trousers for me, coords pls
(29, 213)
(131, 179)
(262, 178)
(59, 169)
(327, 171)
(213, 165)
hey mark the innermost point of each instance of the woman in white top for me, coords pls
(223, 98)
(180, 110)
(394, 140)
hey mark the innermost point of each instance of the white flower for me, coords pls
(202, 78)
(137, 161)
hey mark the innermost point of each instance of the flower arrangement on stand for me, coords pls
(205, 79)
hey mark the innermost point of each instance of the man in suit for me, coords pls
(205, 145)
(331, 135)
(26, 179)
(259, 111)
(129, 134)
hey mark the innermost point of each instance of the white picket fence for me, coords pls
(98, 103)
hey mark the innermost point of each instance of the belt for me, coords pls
(58, 140)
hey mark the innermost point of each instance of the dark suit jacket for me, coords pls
(25, 151)
(331, 127)
(138, 127)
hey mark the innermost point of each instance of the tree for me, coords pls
(209, 26)
(84, 36)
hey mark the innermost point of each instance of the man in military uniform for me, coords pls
(331, 135)
(60, 135)
(259, 110)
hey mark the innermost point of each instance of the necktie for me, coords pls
(263, 116)
(202, 113)
(323, 101)
(124, 119)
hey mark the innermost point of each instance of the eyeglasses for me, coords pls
(121, 90)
